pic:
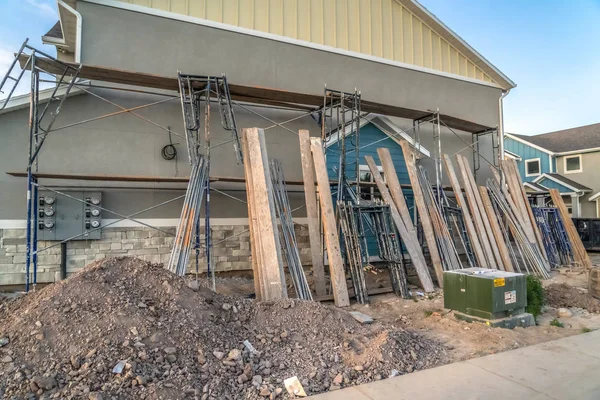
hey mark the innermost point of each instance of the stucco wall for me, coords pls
(589, 177)
(124, 144)
(140, 42)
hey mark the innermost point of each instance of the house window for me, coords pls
(573, 164)
(532, 167)
(369, 191)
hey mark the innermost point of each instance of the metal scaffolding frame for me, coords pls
(42, 119)
(339, 111)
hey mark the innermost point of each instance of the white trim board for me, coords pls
(529, 185)
(283, 39)
(594, 197)
(158, 222)
(372, 119)
(512, 155)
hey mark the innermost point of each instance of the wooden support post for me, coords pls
(263, 215)
(479, 216)
(423, 212)
(394, 186)
(310, 195)
(495, 225)
(332, 240)
(580, 254)
(460, 200)
(408, 237)
(258, 283)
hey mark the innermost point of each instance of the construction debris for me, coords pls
(294, 387)
(362, 318)
(184, 345)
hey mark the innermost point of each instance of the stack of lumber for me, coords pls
(391, 193)
(267, 266)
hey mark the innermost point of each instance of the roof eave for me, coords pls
(466, 48)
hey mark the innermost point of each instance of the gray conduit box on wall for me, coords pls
(60, 217)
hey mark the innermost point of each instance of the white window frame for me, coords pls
(539, 161)
(576, 170)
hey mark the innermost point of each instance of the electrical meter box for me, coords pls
(64, 217)
(498, 298)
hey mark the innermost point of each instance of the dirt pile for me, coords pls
(561, 295)
(125, 329)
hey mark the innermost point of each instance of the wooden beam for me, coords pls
(394, 186)
(476, 212)
(157, 179)
(460, 200)
(312, 213)
(423, 212)
(332, 240)
(264, 220)
(257, 276)
(497, 232)
(409, 238)
(580, 254)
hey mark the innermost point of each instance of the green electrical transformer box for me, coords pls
(495, 297)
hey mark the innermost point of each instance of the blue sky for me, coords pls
(550, 48)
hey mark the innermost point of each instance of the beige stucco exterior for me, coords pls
(396, 30)
(590, 164)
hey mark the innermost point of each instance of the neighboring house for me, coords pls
(375, 131)
(394, 51)
(567, 160)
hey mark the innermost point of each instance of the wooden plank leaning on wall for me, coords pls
(409, 238)
(332, 240)
(263, 222)
(310, 195)
(434, 253)
(580, 254)
(460, 201)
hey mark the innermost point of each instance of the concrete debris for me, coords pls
(294, 387)
(362, 318)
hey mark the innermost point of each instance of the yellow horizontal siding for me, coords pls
(380, 28)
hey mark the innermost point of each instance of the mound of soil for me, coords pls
(125, 329)
(560, 295)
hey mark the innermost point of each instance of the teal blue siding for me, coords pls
(550, 184)
(526, 153)
(369, 134)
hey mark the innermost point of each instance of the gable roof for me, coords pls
(567, 140)
(385, 125)
(427, 46)
(55, 32)
(536, 186)
(561, 180)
